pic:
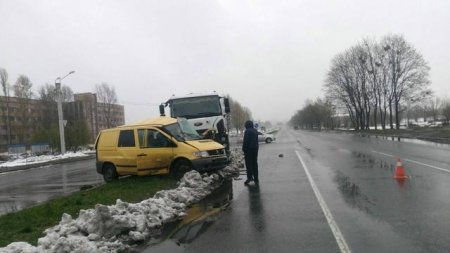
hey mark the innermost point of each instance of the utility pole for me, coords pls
(60, 112)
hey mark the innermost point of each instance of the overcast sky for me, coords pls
(269, 55)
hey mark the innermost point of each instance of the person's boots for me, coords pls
(247, 181)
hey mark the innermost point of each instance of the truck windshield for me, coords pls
(182, 131)
(195, 107)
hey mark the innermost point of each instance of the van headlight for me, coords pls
(201, 154)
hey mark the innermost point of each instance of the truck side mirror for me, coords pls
(226, 102)
(161, 110)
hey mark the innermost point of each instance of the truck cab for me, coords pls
(207, 113)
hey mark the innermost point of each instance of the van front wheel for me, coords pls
(180, 167)
(109, 173)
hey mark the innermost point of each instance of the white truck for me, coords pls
(207, 113)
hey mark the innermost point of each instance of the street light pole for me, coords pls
(60, 112)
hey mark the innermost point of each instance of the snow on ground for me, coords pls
(118, 227)
(41, 159)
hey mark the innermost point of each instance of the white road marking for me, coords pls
(412, 161)
(326, 211)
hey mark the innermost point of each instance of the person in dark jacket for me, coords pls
(250, 147)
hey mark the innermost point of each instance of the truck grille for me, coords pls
(216, 152)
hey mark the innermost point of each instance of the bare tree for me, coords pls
(446, 110)
(239, 114)
(344, 86)
(22, 90)
(409, 72)
(371, 78)
(434, 107)
(22, 87)
(48, 92)
(106, 95)
(5, 108)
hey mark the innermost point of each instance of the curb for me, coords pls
(37, 165)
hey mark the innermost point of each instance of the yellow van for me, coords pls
(156, 146)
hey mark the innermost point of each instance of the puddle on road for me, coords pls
(370, 171)
(366, 161)
(174, 236)
(352, 193)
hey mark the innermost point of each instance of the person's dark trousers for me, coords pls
(251, 164)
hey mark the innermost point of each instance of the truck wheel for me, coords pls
(268, 140)
(109, 173)
(180, 167)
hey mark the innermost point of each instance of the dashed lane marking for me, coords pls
(412, 161)
(326, 211)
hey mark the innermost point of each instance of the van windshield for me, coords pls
(182, 131)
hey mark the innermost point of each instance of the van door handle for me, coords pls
(142, 155)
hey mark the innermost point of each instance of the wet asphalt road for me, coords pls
(369, 211)
(21, 189)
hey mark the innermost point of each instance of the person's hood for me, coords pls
(248, 124)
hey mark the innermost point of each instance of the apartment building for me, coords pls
(19, 119)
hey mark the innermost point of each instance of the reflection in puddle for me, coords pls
(352, 193)
(369, 162)
(198, 219)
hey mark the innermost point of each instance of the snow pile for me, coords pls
(41, 159)
(237, 158)
(118, 227)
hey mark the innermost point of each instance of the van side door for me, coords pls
(126, 152)
(155, 152)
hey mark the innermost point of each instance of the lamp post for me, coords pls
(60, 112)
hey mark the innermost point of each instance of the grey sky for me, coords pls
(269, 55)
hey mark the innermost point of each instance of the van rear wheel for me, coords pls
(109, 173)
(180, 167)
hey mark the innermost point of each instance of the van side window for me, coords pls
(126, 138)
(151, 138)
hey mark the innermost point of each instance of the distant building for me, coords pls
(24, 114)
(16, 123)
(97, 116)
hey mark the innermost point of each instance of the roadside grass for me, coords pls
(28, 225)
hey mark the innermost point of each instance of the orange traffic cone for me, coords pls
(399, 171)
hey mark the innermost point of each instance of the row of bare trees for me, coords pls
(44, 126)
(374, 81)
(432, 109)
(314, 115)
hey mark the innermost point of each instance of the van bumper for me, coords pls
(210, 163)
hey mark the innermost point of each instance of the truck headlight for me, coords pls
(201, 154)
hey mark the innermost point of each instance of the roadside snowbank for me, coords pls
(41, 159)
(118, 227)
